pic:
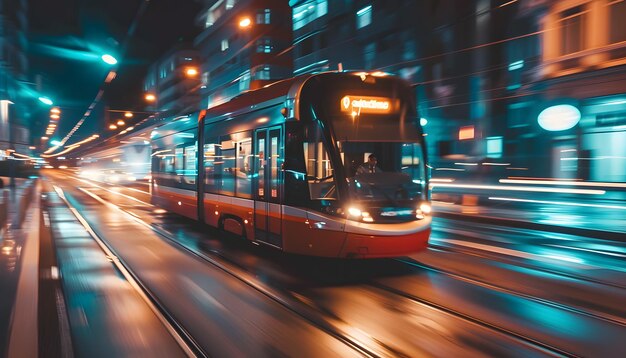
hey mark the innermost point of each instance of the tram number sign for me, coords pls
(367, 104)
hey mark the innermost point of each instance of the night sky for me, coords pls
(67, 38)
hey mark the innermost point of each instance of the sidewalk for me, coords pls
(19, 247)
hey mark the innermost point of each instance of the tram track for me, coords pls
(612, 320)
(182, 337)
(330, 325)
(312, 319)
(529, 341)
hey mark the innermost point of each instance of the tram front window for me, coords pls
(394, 190)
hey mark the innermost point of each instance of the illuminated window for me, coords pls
(217, 10)
(466, 132)
(572, 24)
(364, 17)
(244, 81)
(262, 73)
(264, 45)
(618, 14)
(263, 16)
(308, 12)
(494, 147)
(224, 44)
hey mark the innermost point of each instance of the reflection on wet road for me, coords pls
(479, 290)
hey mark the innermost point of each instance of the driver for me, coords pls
(369, 166)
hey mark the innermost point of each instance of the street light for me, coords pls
(121, 122)
(191, 71)
(45, 100)
(109, 59)
(128, 115)
(55, 110)
(245, 22)
(150, 97)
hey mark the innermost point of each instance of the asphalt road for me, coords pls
(479, 290)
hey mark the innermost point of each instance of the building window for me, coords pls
(224, 44)
(244, 81)
(308, 11)
(618, 14)
(494, 147)
(306, 46)
(264, 45)
(364, 17)
(217, 10)
(572, 25)
(263, 16)
(369, 54)
(205, 78)
(262, 73)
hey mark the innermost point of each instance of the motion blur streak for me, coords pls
(520, 188)
(570, 183)
(617, 207)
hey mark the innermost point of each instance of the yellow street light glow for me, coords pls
(55, 110)
(55, 116)
(112, 126)
(191, 71)
(44, 138)
(150, 97)
(121, 122)
(128, 115)
(245, 22)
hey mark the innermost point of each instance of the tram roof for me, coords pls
(287, 88)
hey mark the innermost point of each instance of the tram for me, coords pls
(280, 166)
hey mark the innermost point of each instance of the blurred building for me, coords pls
(430, 44)
(567, 112)
(172, 84)
(13, 76)
(245, 45)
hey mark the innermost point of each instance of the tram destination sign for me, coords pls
(368, 104)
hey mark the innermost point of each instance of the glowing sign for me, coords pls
(466, 132)
(365, 104)
(559, 118)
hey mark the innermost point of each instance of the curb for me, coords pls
(599, 234)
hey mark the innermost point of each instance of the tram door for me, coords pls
(267, 210)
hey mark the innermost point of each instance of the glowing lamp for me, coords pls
(559, 118)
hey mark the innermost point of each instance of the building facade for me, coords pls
(14, 113)
(579, 75)
(245, 45)
(428, 43)
(173, 81)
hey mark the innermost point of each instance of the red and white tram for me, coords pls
(280, 166)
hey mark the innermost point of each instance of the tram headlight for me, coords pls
(354, 212)
(423, 210)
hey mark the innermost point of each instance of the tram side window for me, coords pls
(228, 167)
(211, 165)
(191, 167)
(179, 162)
(243, 170)
(319, 171)
(412, 161)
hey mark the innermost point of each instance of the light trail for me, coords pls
(519, 188)
(617, 207)
(569, 183)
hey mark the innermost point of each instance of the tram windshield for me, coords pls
(388, 173)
